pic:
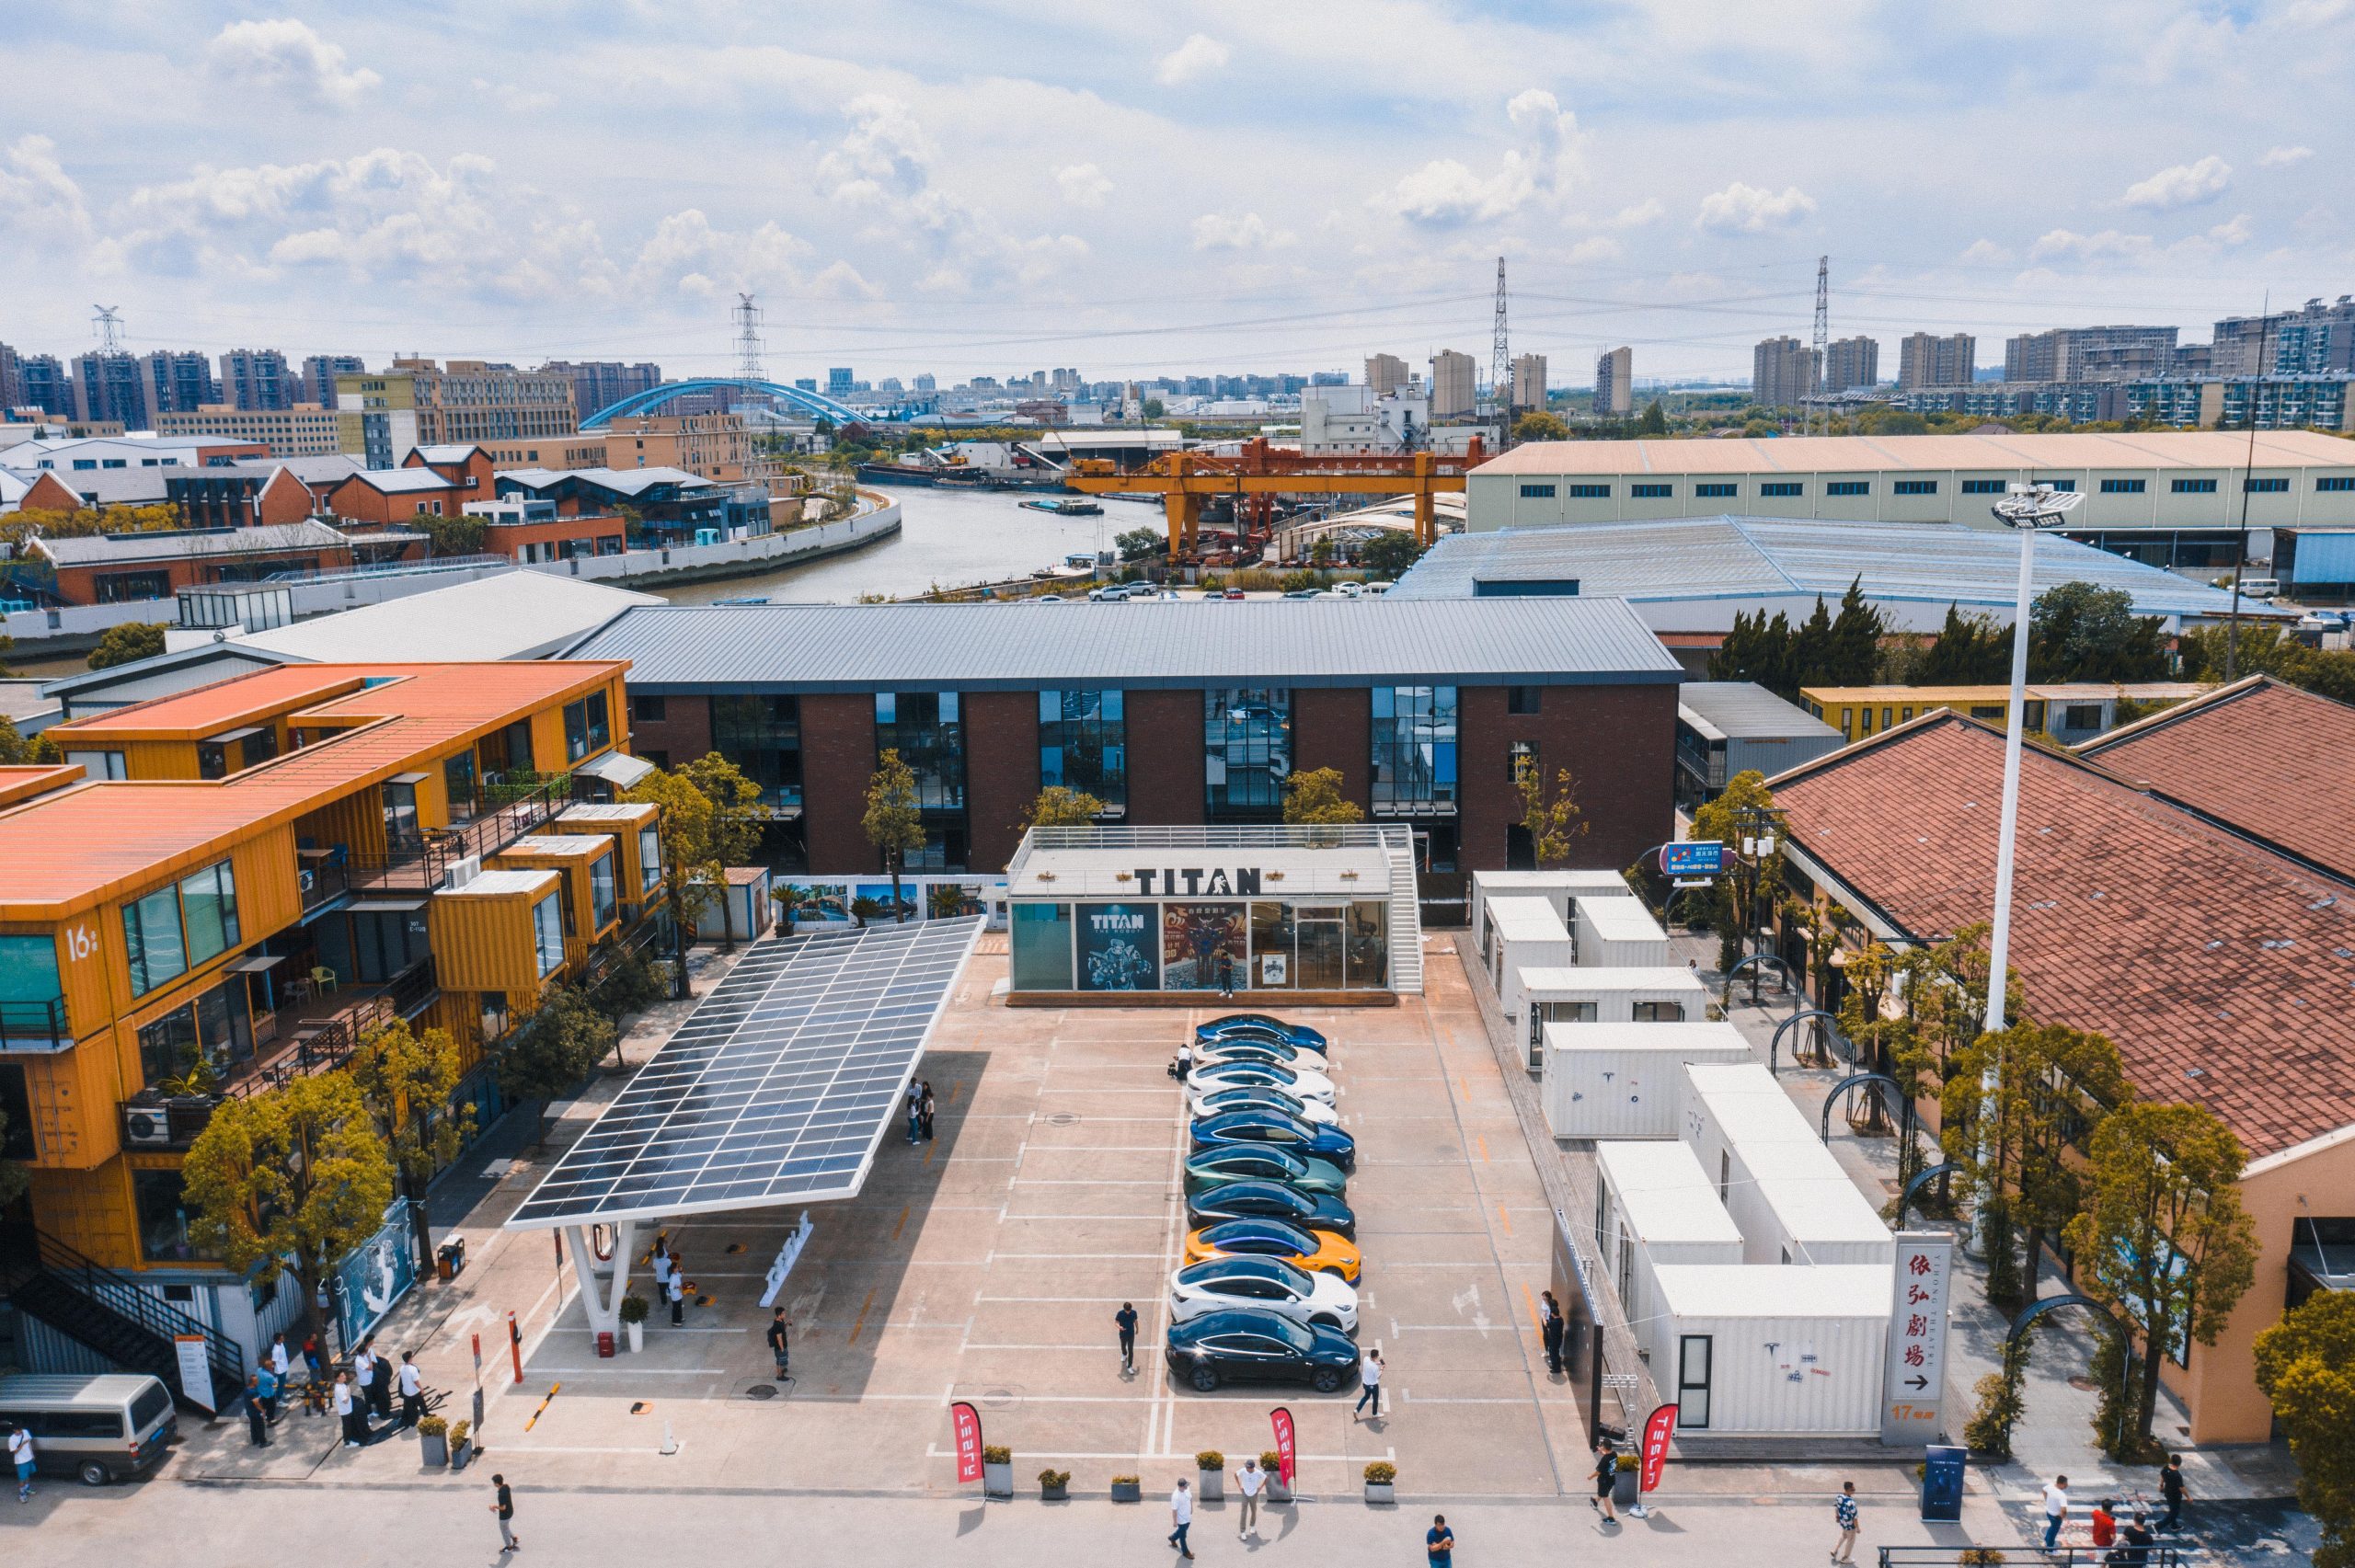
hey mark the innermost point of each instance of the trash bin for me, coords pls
(605, 1345)
(450, 1258)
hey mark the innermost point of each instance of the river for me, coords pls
(947, 539)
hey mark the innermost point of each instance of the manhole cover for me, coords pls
(997, 1399)
(1064, 1119)
(761, 1390)
(2082, 1385)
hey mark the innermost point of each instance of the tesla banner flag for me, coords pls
(967, 1422)
(1658, 1429)
(1285, 1448)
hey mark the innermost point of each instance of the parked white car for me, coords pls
(1301, 1082)
(1223, 1283)
(1213, 1098)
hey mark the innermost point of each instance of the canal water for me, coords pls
(947, 539)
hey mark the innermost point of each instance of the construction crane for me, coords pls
(1260, 472)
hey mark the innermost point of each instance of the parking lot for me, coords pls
(987, 1266)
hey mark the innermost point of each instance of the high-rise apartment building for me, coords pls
(1454, 391)
(178, 381)
(108, 384)
(12, 391)
(927, 382)
(319, 371)
(302, 430)
(838, 379)
(710, 446)
(1852, 364)
(598, 384)
(259, 380)
(376, 417)
(2314, 339)
(1529, 380)
(1783, 373)
(2069, 353)
(472, 400)
(1386, 373)
(1926, 360)
(44, 383)
(1614, 383)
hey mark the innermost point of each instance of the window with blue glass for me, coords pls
(927, 729)
(1247, 753)
(2122, 486)
(1591, 492)
(2335, 482)
(1084, 743)
(1848, 488)
(762, 735)
(2193, 486)
(1651, 492)
(1982, 487)
(1782, 487)
(2265, 486)
(1538, 492)
(1414, 748)
(1917, 486)
(1716, 489)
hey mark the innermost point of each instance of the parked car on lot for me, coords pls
(1282, 1130)
(1261, 1024)
(1258, 1347)
(1300, 1082)
(1270, 1200)
(1318, 1251)
(1262, 1162)
(1212, 1100)
(1255, 1047)
(1224, 1284)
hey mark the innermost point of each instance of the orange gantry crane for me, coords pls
(1260, 472)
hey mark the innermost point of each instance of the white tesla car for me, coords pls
(1223, 1283)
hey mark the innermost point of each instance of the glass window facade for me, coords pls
(547, 931)
(29, 969)
(762, 735)
(173, 930)
(650, 860)
(1042, 946)
(1082, 743)
(161, 1199)
(1246, 751)
(603, 902)
(1414, 748)
(587, 727)
(927, 729)
(209, 906)
(1201, 946)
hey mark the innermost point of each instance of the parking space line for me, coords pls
(1094, 1346)
(903, 1220)
(861, 1325)
(1090, 1258)
(1159, 1456)
(1506, 1219)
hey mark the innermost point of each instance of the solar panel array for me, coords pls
(775, 1091)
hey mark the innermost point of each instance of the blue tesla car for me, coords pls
(1277, 1129)
(1261, 1024)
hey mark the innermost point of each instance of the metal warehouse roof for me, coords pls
(108, 549)
(1191, 643)
(1743, 709)
(1943, 454)
(1743, 557)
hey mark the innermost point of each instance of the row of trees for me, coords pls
(1822, 650)
(2268, 650)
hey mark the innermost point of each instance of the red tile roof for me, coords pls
(2268, 760)
(2191, 947)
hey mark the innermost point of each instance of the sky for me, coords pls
(1177, 189)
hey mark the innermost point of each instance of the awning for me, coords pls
(617, 768)
(228, 735)
(384, 906)
(258, 964)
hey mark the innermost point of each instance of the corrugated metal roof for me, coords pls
(1192, 643)
(1950, 453)
(108, 549)
(622, 481)
(1727, 557)
(1742, 710)
(518, 614)
(397, 481)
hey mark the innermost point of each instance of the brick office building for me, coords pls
(1173, 713)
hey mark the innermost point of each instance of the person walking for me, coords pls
(662, 1268)
(2056, 1509)
(1551, 1328)
(20, 1455)
(1843, 1514)
(503, 1505)
(257, 1417)
(1438, 1543)
(1182, 1518)
(677, 1291)
(2136, 1538)
(1125, 1320)
(1370, 1375)
(412, 1390)
(2171, 1491)
(1250, 1481)
(926, 1110)
(265, 1386)
(348, 1412)
(781, 1344)
(2104, 1520)
(1606, 1476)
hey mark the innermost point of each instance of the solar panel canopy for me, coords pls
(777, 1090)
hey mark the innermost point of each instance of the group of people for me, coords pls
(1249, 1482)
(2124, 1542)
(670, 1278)
(368, 1388)
(920, 1111)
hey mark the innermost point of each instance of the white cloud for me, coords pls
(285, 55)
(513, 97)
(687, 255)
(1238, 231)
(2185, 184)
(1747, 208)
(2089, 247)
(1083, 185)
(1545, 163)
(1596, 247)
(1190, 60)
(40, 202)
(1986, 253)
(2283, 157)
(2236, 231)
(1650, 210)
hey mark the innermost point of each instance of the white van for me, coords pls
(1349, 590)
(102, 1427)
(2260, 587)
(1377, 588)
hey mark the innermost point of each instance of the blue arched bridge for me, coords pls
(809, 402)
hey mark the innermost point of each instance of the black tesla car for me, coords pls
(1270, 1200)
(1250, 1344)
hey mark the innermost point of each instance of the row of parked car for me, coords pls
(1268, 1290)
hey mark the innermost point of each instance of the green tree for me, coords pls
(555, 1051)
(893, 821)
(1059, 807)
(2305, 1365)
(1315, 797)
(1756, 650)
(460, 535)
(1539, 426)
(1654, 423)
(131, 641)
(2163, 1240)
(1388, 555)
(2078, 632)
(712, 821)
(405, 1080)
(1551, 816)
(1138, 544)
(1154, 408)
(1852, 655)
(288, 1181)
(1735, 899)
(2262, 650)
(1969, 650)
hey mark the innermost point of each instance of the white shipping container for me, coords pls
(1524, 933)
(1573, 995)
(1771, 1351)
(1795, 1204)
(1719, 1106)
(1556, 887)
(1617, 934)
(1623, 1079)
(1654, 1207)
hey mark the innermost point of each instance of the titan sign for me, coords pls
(1193, 880)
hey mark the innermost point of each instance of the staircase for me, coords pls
(109, 1312)
(1405, 913)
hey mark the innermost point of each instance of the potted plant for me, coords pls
(434, 1440)
(1054, 1485)
(1623, 1484)
(1209, 1477)
(462, 1445)
(1381, 1482)
(1274, 1464)
(997, 1471)
(633, 1311)
(1981, 1557)
(1128, 1489)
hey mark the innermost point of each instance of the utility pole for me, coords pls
(1822, 339)
(1500, 365)
(2248, 475)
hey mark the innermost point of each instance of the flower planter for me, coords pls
(461, 1454)
(1128, 1492)
(1623, 1489)
(1210, 1485)
(435, 1448)
(1277, 1490)
(636, 1338)
(1382, 1492)
(997, 1480)
(1054, 1494)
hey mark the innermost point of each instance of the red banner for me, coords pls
(1287, 1449)
(1658, 1428)
(967, 1423)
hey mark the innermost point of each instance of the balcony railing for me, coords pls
(423, 867)
(35, 1025)
(325, 1044)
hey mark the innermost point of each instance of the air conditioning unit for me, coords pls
(146, 1127)
(462, 871)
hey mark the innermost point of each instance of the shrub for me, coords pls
(433, 1426)
(1628, 1463)
(458, 1432)
(1210, 1458)
(1051, 1479)
(1381, 1473)
(1127, 1481)
(1981, 1557)
(994, 1455)
(633, 1309)
(1273, 1462)
(1989, 1430)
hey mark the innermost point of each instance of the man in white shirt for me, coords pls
(2056, 1509)
(363, 1374)
(347, 1410)
(661, 1272)
(1250, 1481)
(1370, 1374)
(278, 1358)
(1181, 1515)
(412, 1393)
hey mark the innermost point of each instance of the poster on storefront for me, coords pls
(376, 1274)
(1119, 948)
(1195, 938)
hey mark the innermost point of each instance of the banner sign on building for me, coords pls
(1119, 946)
(1658, 1429)
(1913, 1377)
(1286, 1447)
(376, 1273)
(1693, 857)
(967, 1423)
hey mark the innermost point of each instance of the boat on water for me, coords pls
(903, 473)
(1070, 506)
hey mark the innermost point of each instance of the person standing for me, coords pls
(1226, 976)
(412, 1388)
(20, 1454)
(1370, 1375)
(2171, 1490)
(2056, 1509)
(781, 1344)
(364, 1372)
(2136, 1539)
(926, 1110)
(1606, 1477)
(348, 1412)
(1125, 1320)
(1183, 1063)
(1843, 1514)
(256, 1418)
(2104, 1520)
(915, 1110)
(503, 1505)
(1250, 1481)
(1438, 1543)
(265, 1390)
(1551, 1328)
(678, 1293)
(278, 1363)
(1182, 1518)
(662, 1266)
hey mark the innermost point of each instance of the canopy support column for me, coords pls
(602, 1305)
